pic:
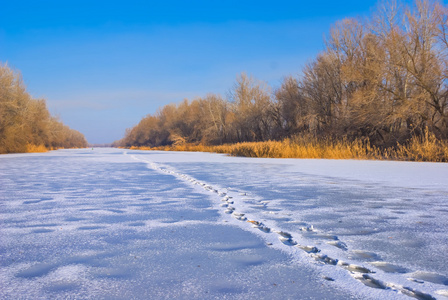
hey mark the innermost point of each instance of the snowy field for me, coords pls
(122, 224)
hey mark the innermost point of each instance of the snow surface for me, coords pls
(121, 224)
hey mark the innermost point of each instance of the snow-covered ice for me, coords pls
(122, 224)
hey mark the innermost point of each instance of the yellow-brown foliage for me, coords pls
(26, 125)
(426, 148)
(365, 85)
(30, 148)
(419, 149)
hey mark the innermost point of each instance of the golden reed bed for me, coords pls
(427, 148)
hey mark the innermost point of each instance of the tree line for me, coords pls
(381, 79)
(26, 122)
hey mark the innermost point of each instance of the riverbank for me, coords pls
(427, 148)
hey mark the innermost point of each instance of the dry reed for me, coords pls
(30, 148)
(426, 148)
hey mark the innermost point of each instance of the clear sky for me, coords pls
(103, 65)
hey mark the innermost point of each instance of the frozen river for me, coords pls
(122, 224)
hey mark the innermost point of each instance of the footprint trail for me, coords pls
(232, 202)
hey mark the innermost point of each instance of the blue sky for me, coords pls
(103, 65)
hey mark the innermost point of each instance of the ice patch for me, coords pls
(153, 232)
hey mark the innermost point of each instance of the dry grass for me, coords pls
(300, 148)
(427, 148)
(30, 148)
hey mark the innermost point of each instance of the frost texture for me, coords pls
(115, 223)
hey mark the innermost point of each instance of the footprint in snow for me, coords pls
(260, 226)
(431, 277)
(286, 238)
(309, 249)
(325, 259)
(338, 244)
(370, 281)
(239, 217)
(364, 255)
(388, 267)
(354, 268)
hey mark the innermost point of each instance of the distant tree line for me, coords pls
(25, 121)
(383, 79)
